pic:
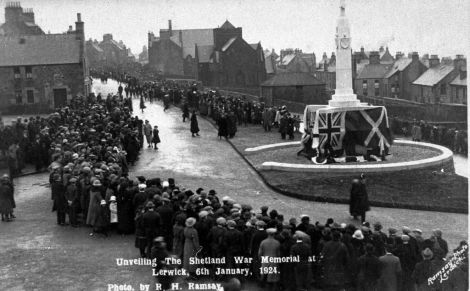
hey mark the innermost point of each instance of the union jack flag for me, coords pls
(330, 129)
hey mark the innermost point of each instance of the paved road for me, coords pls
(212, 164)
(36, 254)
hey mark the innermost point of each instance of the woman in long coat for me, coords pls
(359, 200)
(223, 126)
(191, 245)
(156, 137)
(6, 200)
(95, 201)
(194, 124)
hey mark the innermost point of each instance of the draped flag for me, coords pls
(350, 128)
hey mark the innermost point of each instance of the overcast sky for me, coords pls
(434, 26)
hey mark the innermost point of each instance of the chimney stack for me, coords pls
(414, 56)
(381, 49)
(460, 62)
(374, 58)
(170, 29)
(434, 61)
(398, 55)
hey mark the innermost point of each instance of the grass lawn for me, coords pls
(426, 189)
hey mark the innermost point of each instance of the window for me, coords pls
(29, 72)
(30, 96)
(364, 87)
(443, 89)
(19, 97)
(16, 71)
(393, 88)
(376, 88)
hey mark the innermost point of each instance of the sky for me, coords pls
(439, 27)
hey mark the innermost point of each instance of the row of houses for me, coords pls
(108, 53)
(39, 71)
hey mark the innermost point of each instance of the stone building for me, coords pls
(95, 54)
(115, 53)
(19, 21)
(434, 85)
(369, 81)
(293, 89)
(295, 61)
(397, 81)
(216, 57)
(44, 71)
(458, 88)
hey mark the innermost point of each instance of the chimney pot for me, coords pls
(79, 17)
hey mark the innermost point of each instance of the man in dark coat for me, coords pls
(302, 268)
(359, 200)
(7, 202)
(259, 235)
(60, 202)
(152, 223)
(283, 126)
(194, 125)
(335, 262)
(223, 126)
(165, 210)
(369, 270)
(233, 243)
(73, 202)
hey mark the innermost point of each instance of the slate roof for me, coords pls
(374, 71)
(309, 58)
(433, 75)
(398, 66)
(459, 82)
(227, 25)
(228, 43)
(292, 79)
(191, 37)
(254, 45)
(96, 47)
(205, 53)
(47, 49)
(287, 59)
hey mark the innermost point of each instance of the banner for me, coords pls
(352, 131)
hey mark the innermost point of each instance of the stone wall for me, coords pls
(43, 81)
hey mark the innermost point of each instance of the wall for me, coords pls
(44, 80)
(370, 87)
(166, 57)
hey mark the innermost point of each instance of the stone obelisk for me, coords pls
(344, 95)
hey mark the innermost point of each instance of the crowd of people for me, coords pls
(171, 220)
(89, 146)
(450, 137)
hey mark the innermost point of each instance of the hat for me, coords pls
(103, 202)
(418, 231)
(165, 184)
(427, 254)
(405, 229)
(198, 191)
(190, 221)
(203, 213)
(405, 238)
(437, 233)
(260, 223)
(264, 208)
(358, 235)
(150, 204)
(221, 221)
(73, 180)
(271, 231)
(392, 230)
(233, 210)
(236, 205)
(377, 225)
(112, 198)
(225, 198)
(97, 183)
(302, 216)
(231, 223)
(208, 208)
(159, 239)
(142, 186)
(212, 192)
